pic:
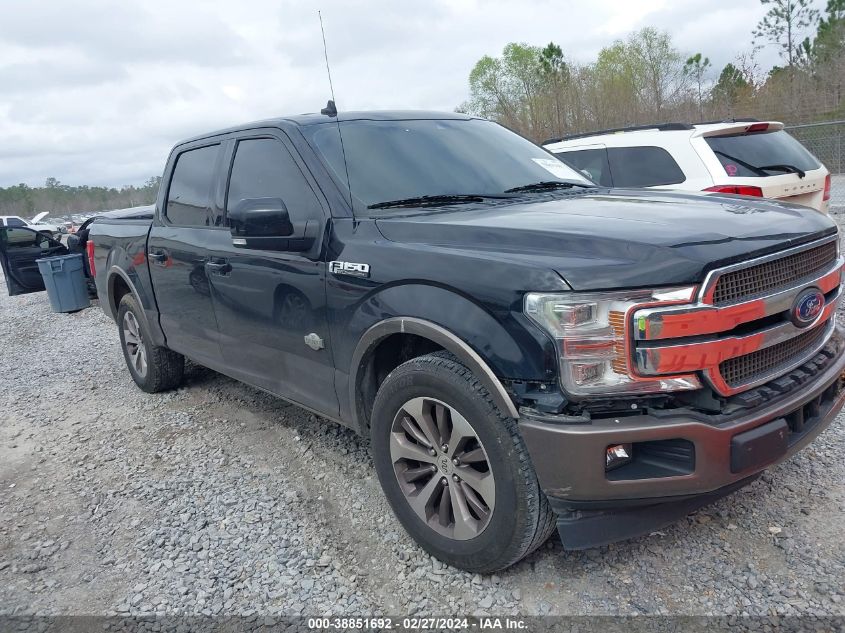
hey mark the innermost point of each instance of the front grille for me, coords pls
(771, 276)
(742, 370)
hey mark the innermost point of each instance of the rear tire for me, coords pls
(152, 368)
(506, 516)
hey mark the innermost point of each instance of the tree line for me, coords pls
(60, 199)
(645, 78)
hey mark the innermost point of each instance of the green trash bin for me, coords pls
(64, 279)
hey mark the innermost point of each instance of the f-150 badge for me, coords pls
(349, 268)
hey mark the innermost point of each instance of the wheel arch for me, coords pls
(119, 284)
(438, 336)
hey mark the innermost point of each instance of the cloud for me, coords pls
(96, 91)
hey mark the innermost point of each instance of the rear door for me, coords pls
(19, 248)
(186, 229)
(271, 304)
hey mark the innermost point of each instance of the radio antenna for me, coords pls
(331, 111)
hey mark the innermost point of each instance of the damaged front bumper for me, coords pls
(682, 460)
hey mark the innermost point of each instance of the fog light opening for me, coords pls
(618, 455)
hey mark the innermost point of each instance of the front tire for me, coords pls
(454, 468)
(153, 368)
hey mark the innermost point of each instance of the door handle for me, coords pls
(157, 257)
(218, 266)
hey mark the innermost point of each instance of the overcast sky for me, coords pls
(96, 91)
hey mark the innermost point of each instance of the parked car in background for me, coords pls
(35, 223)
(745, 157)
(21, 246)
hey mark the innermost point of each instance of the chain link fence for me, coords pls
(827, 142)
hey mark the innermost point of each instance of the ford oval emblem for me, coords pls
(807, 307)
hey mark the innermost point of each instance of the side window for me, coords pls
(189, 196)
(264, 168)
(643, 167)
(15, 222)
(12, 238)
(591, 162)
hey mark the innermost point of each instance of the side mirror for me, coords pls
(260, 217)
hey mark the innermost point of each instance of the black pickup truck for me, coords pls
(524, 350)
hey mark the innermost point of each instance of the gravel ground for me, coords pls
(218, 499)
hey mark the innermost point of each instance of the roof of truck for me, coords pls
(314, 118)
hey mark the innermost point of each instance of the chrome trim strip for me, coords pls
(714, 378)
(648, 358)
(779, 301)
(713, 276)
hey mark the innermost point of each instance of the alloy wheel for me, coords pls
(442, 468)
(134, 343)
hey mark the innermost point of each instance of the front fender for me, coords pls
(496, 346)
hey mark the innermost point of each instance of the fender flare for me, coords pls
(115, 272)
(445, 339)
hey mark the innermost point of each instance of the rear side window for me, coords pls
(761, 154)
(264, 168)
(592, 162)
(189, 196)
(15, 222)
(643, 167)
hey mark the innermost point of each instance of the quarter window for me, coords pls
(189, 197)
(264, 168)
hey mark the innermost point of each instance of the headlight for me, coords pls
(590, 330)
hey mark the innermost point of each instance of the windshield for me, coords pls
(761, 154)
(399, 160)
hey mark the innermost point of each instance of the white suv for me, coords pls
(746, 157)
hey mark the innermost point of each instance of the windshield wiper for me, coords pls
(753, 168)
(546, 185)
(784, 167)
(418, 201)
(761, 169)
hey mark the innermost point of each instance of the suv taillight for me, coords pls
(89, 248)
(740, 190)
(826, 195)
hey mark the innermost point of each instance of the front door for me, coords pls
(177, 251)
(270, 304)
(19, 248)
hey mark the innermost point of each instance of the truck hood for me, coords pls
(39, 217)
(604, 239)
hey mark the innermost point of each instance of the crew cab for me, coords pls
(740, 156)
(524, 349)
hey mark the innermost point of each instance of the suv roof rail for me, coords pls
(663, 127)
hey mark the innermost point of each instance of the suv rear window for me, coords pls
(751, 155)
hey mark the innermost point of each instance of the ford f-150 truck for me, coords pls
(524, 350)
